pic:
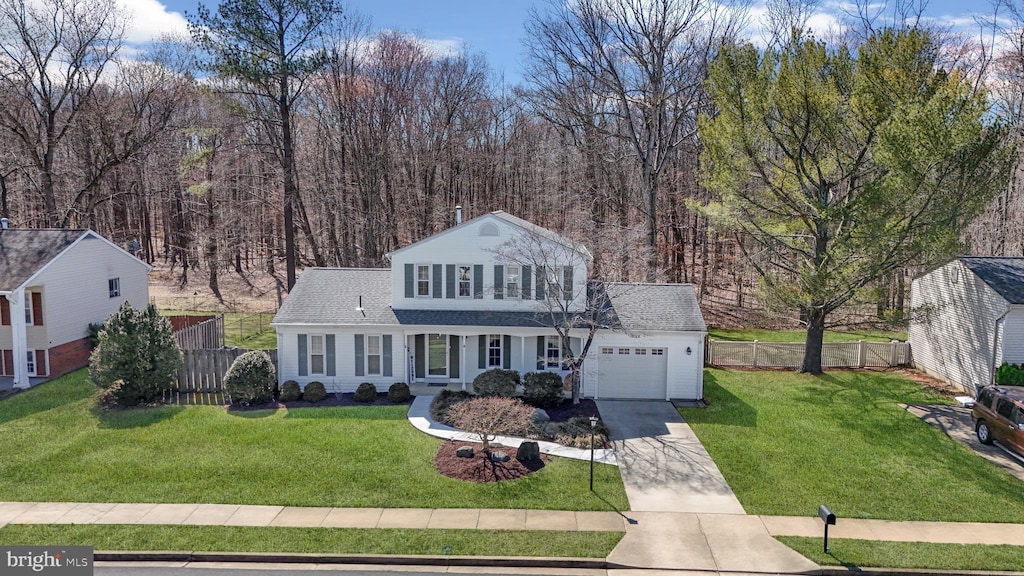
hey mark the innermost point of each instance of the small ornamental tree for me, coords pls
(137, 350)
(489, 417)
(251, 379)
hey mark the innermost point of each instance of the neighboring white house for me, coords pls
(967, 319)
(486, 294)
(53, 284)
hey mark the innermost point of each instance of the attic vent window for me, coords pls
(956, 275)
(489, 229)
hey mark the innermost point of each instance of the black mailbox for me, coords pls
(826, 515)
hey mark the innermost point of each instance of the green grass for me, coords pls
(241, 329)
(908, 555)
(751, 334)
(57, 447)
(316, 540)
(788, 442)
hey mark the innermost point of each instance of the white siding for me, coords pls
(685, 371)
(953, 326)
(75, 292)
(345, 379)
(464, 245)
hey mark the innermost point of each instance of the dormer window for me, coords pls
(512, 281)
(423, 280)
(465, 281)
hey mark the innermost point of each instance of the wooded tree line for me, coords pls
(365, 140)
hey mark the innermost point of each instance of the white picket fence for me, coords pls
(790, 354)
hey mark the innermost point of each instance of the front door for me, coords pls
(437, 356)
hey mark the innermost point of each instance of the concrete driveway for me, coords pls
(955, 422)
(664, 467)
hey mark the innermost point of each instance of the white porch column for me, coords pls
(462, 360)
(19, 338)
(522, 355)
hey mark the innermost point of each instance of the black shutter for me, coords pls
(542, 353)
(453, 357)
(386, 355)
(482, 349)
(525, 283)
(410, 281)
(303, 356)
(542, 281)
(499, 282)
(438, 280)
(567, 283)
(478, 281)
(330, 353)
(360, 363)
(506, 352)
(421, 356)
(450, 280)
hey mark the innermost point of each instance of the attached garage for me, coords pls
(631, 372)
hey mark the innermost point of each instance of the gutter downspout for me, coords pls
(995, 342)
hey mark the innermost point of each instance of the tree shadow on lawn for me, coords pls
(43, 397)
(724, 407)
(139, 417)
(397, 412)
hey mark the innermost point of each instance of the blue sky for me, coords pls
(493, 27)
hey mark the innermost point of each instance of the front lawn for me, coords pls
(855, 554)
(762, 335)
(57, 447)
(316, 540)
(788, 442)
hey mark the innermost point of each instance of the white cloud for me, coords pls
(149, 19)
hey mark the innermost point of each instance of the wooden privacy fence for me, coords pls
(205, 335)
(202, 371)
(790, 355)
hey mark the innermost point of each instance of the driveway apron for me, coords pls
(664, 467)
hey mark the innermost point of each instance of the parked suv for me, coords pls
(998, 414)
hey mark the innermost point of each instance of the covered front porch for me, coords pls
(452, 358)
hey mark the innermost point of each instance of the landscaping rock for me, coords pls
(528, 451)
(552, 429)
(464, 452)
(540, 417)
(499, 456)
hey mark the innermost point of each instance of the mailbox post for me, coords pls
(829, 519)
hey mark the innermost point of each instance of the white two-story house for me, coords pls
(488, 294)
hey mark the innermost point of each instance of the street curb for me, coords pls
(838, 571)
(399, 560)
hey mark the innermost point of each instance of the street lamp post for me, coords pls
(593, 427)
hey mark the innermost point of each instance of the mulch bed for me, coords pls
(479, 468)
(339, 399)
(566, 410)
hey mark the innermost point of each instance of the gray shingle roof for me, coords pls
(23, 251)
(1004, 275)
(330, 296)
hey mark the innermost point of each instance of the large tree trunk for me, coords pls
(290, 189)
(815, 337)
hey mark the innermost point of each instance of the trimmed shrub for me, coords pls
(365, 393)
(542, 389)
(441, 403)
(251, 379)
(576, 432)
(488, 417)
(496, 382)
(314, 392)
(399, 393)
(290, 391)
(1010, 374)
(135, 347)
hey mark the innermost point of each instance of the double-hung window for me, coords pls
(511, 281)
(494, 351)
(373, 362)
(554, 352)
(114, 287)
(465, 280)
(28, 308)
(316, 354)
(423, 280)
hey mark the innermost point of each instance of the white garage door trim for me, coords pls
(634, 372)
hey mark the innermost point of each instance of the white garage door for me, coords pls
(630, 372)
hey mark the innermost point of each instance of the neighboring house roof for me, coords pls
(1004, 275)
(331, 296)
(24, 251)
(529, 227)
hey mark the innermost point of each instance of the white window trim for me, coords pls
(548, 362)
(490, 348)
(518, 283)
(323, 354)
(430, 280)
(30, 362)
(458, 281)
(379, 354)
(114, 287)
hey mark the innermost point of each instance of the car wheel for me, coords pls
(984, 432)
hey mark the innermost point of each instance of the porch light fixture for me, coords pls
(688, 351)
(593, 427)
